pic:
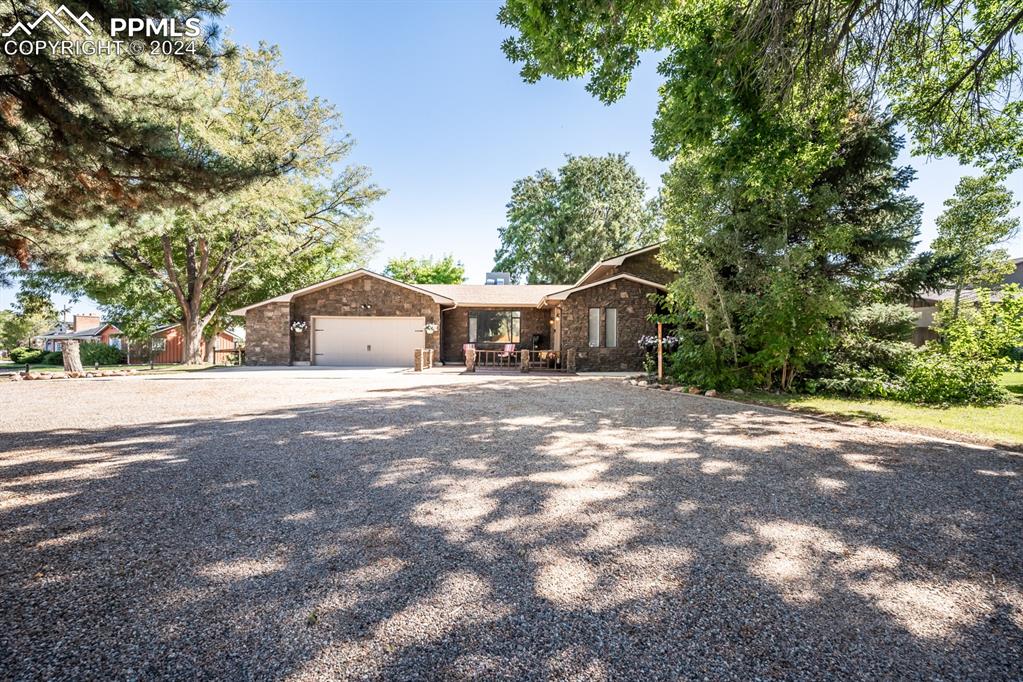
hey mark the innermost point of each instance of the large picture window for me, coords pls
(494, 326)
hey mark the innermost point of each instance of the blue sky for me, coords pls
(447, 125)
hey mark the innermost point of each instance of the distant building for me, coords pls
(499, 278)
(927, 303)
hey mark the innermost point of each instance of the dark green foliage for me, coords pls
(871, 354)
(559, 224)
(31, 356)
(100, 353)
(764, 283)
(940, 378)
(53, 358)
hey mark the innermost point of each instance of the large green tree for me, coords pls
(103, 136)
(444, 270)
(559, 224)
(976, 219)
(195, 264)
(764, 280)
(31, 314)
(733, 71)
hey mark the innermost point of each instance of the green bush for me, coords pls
(936, 377)
(53, 358)
(98, 353)
(30, 356)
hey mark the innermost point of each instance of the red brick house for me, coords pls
(169, 346)
(362, 318)
(167, 341)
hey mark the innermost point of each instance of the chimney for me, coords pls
(86, 322)
(498, 278)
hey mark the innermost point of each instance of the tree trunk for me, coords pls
(72, 357)
(192, 342)
(210, 357)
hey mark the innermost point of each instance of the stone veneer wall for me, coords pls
(346, 299)
(456, 329)
(645, 266)
(632, 302)
(268, 335)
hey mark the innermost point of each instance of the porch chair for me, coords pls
(508, 352)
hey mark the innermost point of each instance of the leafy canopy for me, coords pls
(560, 224)
(976, 219)
(763, 281)
(99, 137)
(444, 270)
(951, 70)
(192, 265)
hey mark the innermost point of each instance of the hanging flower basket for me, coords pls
(299, 326)
(430, 328)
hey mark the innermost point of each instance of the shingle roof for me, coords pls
(494, 294)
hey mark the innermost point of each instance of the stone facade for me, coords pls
(645, 266)
(268, 335)
(633, 304)
(351, 298)
(456, 330)
(270, 341)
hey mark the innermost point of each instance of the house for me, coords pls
(926, 304)
(167, 341)
(169, 346)
(83, 328)
(362, 318)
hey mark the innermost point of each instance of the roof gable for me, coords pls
(565, 293)
(354, 274)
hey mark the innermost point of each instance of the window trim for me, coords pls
(515, 326)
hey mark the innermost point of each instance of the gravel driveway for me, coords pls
(399, 526)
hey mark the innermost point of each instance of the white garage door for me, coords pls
(367, 341)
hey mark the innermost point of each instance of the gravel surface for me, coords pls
(389, 525)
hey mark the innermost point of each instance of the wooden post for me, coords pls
(660, 354)
(523, 360)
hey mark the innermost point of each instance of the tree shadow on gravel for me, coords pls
(520, 529)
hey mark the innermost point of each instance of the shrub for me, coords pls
(53, 358)
(98, 353)
(937, 377)
(30, 356)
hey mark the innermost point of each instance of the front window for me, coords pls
(494, 326)
(594, 330)
(115, 342)
(611, 327)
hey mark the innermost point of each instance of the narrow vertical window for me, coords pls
(594, 327)
(611, 327)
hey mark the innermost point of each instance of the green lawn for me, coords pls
(11, 367)
(1002, 424)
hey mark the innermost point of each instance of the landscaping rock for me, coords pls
(738, 391)
(711, 393)
(16, 377)
(679, 389)
(641, 383)
(695, 390)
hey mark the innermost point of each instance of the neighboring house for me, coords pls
(167, 341)
(84, 328)
(169, 346)
(927, 304)
(365, 319)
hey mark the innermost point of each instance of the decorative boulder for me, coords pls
(16, 377)
(711, 393)
(695, 390)
(641, 383)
